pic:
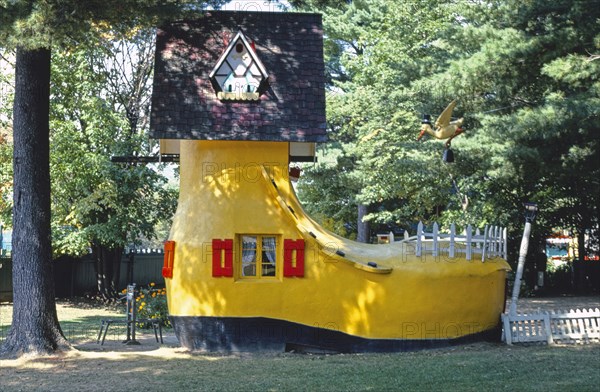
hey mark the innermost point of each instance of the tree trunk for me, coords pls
(363, 228)
(581, 250)
(579, 262)
(35, 328)
(107, 262)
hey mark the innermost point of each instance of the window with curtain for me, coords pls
(258, 256)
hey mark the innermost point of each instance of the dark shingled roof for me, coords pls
(290, 45)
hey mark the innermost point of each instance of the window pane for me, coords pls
(248, 255)
(269, 255)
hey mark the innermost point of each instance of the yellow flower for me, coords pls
(153, 295)
(152, 284)
(141, 295)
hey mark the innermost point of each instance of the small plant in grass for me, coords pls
(151, 303)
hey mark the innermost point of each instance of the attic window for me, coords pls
(239, 74)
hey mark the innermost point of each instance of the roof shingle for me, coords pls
(290, 45)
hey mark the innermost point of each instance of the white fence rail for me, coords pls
(491, 243)
(573, 326)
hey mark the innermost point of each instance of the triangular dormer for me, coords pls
(239, 74)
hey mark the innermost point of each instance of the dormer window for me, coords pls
(239, 74)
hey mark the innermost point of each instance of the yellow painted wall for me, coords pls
(224, 193)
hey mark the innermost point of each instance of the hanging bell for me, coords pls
(448, 156)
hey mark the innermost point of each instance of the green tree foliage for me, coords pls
(5, 181)
(525, 74)
(33, 28)
(100, 101)
(375, 50)
(96, 115)
(6, 170)
(43, 24)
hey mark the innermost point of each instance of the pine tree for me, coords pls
(525, 74)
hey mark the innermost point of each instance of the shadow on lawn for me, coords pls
(82, 333)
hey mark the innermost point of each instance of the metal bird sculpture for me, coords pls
(444, 128)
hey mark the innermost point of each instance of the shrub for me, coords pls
(559, 278)
(151, 303)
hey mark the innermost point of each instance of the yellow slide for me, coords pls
(355, 253)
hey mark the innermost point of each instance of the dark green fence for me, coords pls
(5, 279)
(77, 276)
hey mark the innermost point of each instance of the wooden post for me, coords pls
(469, 242)
(548, 328)
(419, 239)
(492, 236)
(452, 235)
(497, 240)
(485, 240)
(434, 251)
(507, 329)
(505, 243)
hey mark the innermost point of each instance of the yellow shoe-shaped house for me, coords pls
(247, 270)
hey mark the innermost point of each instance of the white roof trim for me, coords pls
(249, 49)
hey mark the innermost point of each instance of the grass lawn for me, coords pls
(79, 320)
(474, 367)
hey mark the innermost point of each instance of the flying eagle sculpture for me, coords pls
(444, 128)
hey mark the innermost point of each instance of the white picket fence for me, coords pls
(489, 244)
(573, 326)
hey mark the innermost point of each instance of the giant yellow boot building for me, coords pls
(245, 268)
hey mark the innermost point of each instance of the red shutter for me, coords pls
(222, 266)
(289, 246)
(167, 271)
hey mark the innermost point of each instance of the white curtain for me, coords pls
(268, 248)
(248, 255)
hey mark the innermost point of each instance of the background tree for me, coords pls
(526, 79)
(101, 100)
(537, 70)
(33, 27)
(375, 49)
(6, 171)
(5, 179)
